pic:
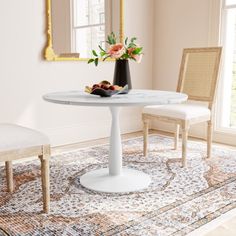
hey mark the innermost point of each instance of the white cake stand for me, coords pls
(116, 179)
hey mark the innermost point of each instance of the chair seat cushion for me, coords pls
(13, 137)
(182, 111)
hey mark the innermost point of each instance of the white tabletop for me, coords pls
(133, 98)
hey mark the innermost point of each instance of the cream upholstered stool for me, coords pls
(18, 142)
(198, 79)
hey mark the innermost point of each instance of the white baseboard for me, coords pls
(90, 130)
(197, 131)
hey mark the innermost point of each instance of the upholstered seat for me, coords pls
(18, 142)
(183, 111)
(14, 137)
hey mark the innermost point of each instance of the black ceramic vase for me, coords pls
(122, 74)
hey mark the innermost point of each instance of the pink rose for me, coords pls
(116, 51)
(137, 58)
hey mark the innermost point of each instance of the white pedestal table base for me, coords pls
(115, 179)
(128, 181)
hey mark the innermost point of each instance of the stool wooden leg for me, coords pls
(45, 182)
(9, 176)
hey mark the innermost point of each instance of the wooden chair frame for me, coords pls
(185, 124)
(43, 152)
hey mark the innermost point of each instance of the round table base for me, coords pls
(130, 180)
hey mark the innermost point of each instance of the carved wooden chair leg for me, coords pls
(145, 137)
(185, 130)
(209, 138)
(176, 137)
(45, 182)
(9, 176)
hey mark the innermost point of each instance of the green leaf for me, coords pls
(113, 35)
(94, 53)
(137, 51)
(126, 56)
(102, 54)
(132, 45)
(133, 39)
(101, 48)
(96, 61)
(126, 40)
(110, 39)
(90, 61)
(113, 41)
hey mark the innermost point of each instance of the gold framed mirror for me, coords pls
(67, 24)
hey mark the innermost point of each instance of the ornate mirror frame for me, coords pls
(49, 53)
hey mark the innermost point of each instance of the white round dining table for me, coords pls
(116, 179)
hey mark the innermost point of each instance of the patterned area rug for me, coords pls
(178, 201)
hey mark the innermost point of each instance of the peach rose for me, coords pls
(116, 51)
(130, 51)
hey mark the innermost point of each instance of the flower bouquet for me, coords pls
(121, 52)
(118, 51)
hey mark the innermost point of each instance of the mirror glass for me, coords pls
(78, 26)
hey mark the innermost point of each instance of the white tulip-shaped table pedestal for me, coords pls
(115, 178)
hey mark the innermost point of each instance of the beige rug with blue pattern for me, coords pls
(178, 201)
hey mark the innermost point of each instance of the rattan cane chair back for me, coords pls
(199, 72)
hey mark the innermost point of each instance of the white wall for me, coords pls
(25, 76)
(178, 24)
